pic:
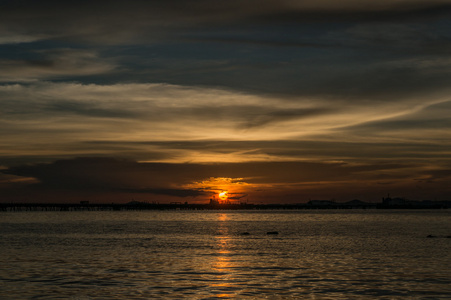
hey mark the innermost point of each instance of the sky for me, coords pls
(271, 101)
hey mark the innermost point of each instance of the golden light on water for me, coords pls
(222, 265)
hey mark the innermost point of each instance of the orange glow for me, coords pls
(224, 189)
(223, 195)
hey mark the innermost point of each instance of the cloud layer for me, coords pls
(115, 179)
(176, 123)
(189, 83)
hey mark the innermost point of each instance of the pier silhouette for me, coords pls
(136, 205)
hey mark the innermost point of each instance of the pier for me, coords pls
(314, 204)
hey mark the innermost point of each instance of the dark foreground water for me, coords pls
(358, 254)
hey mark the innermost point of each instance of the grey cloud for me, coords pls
(360, 152)
(407, 125)
(261, 42)
(343, 54)
(53, 64)
(89, 109)
(431, 117)
(262, 118)
(407, 39)
(381, 81)
(118, 21)
(369, 72)
(35, 101)
(39, 108)
(364, 12)
(241, 116)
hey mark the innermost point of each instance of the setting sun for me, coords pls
(223, 195)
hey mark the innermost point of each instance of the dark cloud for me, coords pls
(260, 118)
(360, 11)
(440, 174)
(197, 11)
(107, 173)
(51, 64)
(88, 109)
(169, 192)
(258, 42)
(107, 176)
(345, 52)
(350, 66)
(111, 22)
(104, 175)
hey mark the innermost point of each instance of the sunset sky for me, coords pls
(273, 101)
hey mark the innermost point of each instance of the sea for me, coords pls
(221, 254)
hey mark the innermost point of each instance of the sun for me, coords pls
(223, 195)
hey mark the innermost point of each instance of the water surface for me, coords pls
(326, 254)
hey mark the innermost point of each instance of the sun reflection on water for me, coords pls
(223, 265)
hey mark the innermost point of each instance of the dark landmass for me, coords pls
(387, 203)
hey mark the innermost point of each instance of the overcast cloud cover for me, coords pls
(280, 101)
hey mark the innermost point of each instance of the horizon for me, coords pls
(179, 101)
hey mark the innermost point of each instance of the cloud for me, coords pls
(101, 173)
(104, 174)
(131, 21)
(153, 122)
(344, 65)
(91, 176)
(349, 49)
(53, 64)
(13, 181)
(430, 121)
(196, 82)
(358, 11)
(416, 38)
